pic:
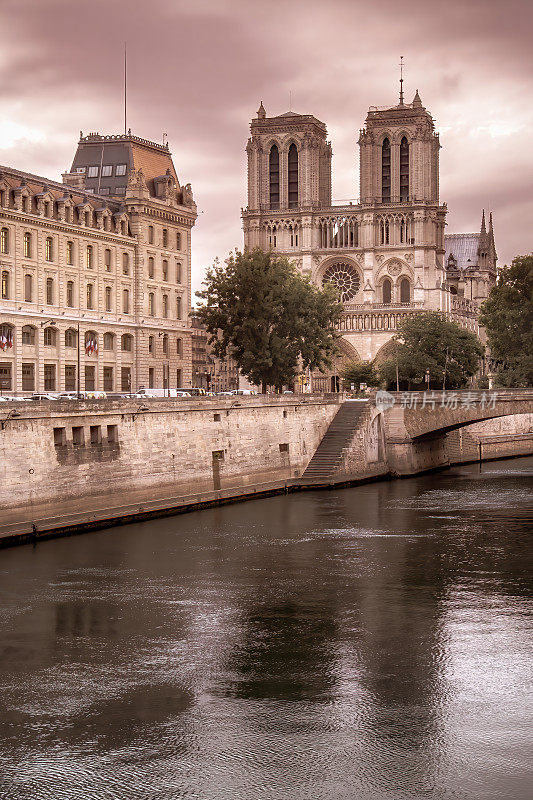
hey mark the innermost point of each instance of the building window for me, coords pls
(48, 249)
(120, 169)
(404, 170)
(292, 163)
(405, 291)
(49, 291)
(107, 259)
(50, 337)
(25, 203)
(28, 288)
(105, 190)
(179, 347)
(78, 436)
(90, 295)
(126, 342)
(5, 284)
(165, 237)
(151, 378)
(385, 172)
(107, 170)
(125, 264)
(151, 304)
(178, 272)
(178, 241)
(274, 177)
(386, 291)
(151, 345)
(165, 305)
(92, 172)
(90, 382)
(109, 343)
(27, 245)
(126, 301)
(70, 377)
(165, 344)
(178, 307)
(87, 218)
(125, 379)
(70, 294)
(4, 241)
(28, 335)
(70, 253)
(28, 377)
(71, 338)
(108, 298)
(150, 267)
(178, 378)
(108, 379)
(165, 270)
(49, 377)
(89, 256)
(150, 234)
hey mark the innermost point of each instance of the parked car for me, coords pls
(40, 397)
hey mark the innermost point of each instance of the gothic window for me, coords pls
(28, 288)
(108, 298)
(27, 245)
(71, 338)
(5, 284)
(126, 301)
(70, 294)
(70, 253)
(50, 337)
(28, 335)
(274, 177)
(4, 240)
(405, 291)
(151, 267)
(292, 163)
(49, 291)
(345, 278)
(385, 172)
(404, 170)
(386, 291)
(109, 343)
(384, 231)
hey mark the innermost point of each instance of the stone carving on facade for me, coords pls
(408, 257)
(187, 195)
(394, 268)
(379, 258)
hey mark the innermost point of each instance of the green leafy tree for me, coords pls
(358, 372)
(507, 315)
(430, 342)
(273, 320)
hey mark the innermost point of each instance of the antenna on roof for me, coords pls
(125, 85)
(401, 80)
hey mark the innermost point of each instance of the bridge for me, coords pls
(405, 433)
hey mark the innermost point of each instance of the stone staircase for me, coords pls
(329, 454)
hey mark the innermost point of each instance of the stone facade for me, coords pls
(385, 252)
(113, 266)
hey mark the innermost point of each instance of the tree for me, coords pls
(359, 372)
(507, 315)
(430, 342)
(273, 320)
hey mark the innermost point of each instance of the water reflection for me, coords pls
(368, 643)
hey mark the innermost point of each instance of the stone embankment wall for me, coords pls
(64, 451)
(496, 438)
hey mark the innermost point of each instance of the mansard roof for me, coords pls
(38, 185)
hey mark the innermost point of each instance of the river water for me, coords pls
(373, 643)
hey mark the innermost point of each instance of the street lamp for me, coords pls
(427, 380)
(12, 415)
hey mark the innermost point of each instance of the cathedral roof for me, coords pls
(463, 247)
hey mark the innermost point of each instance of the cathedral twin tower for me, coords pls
(386, 252)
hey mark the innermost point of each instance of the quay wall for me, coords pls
(504, 437)
(58, 451)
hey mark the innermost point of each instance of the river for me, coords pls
(372, 643)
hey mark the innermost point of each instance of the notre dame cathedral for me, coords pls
(387, 252)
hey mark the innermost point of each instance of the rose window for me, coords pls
(345, 278)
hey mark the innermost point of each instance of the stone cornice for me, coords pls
(66, 227)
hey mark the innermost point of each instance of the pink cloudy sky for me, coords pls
(198, 70)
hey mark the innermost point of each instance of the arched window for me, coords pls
(125, 264)
(151, 304)
(5, 284)
(405, 291)
(49, 249)
(28, 335)
(70, 294)
(90, 295)
(404, 170)
(126, 301)
(108, 298)
(274, 176)
(28, 288)
(50, 336)
(49, 291)
(386, 291)
(109, 341)
(385, 172)
(27, 245)
(151, 345)
(107, 259)
(165, 270)
(71, 338)
(70, 253)
(151, 267)
(292, 163)
(165, 344)
(4, 240)
(126, 342)
(165, 305)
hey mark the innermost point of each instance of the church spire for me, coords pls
(261, 113)
(401, 80)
